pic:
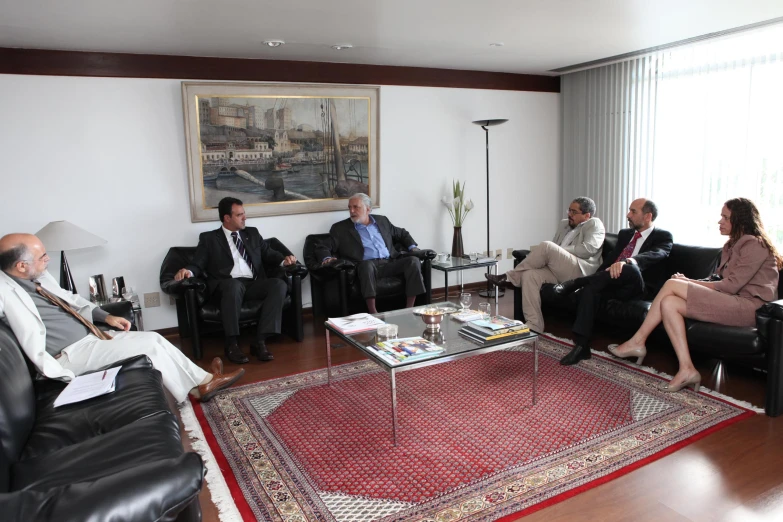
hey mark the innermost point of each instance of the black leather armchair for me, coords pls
(759, 347)
(196, 314)
(335, 289)
(116, 457)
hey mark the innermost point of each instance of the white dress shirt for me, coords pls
(241, 268)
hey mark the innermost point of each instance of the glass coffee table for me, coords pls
(411, 325)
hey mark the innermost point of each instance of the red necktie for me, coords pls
(628, 250)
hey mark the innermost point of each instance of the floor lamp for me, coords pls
(62, 236)
(485, 124)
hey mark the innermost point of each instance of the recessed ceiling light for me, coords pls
(274, 43)
(340, 47)
(496, 44)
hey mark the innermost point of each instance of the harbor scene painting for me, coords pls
(281, 149)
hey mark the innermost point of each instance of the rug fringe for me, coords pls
(649, 369)
(221, 495)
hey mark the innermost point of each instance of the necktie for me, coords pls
(242, 252)
(97, 332)
(628, 250)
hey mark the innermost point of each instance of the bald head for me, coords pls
(23, 256)
(641, 214)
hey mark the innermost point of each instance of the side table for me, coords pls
(457, 264)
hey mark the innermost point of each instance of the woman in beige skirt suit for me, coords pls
(748, 273)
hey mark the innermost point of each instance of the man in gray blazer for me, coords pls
(574, 252)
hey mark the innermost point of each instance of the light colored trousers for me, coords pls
(546, 263)
(180, 375)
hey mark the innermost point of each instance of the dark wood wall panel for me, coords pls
(117, 65)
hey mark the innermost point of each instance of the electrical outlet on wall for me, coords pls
(509, 254)
(172, 301)
(499, 253)
(152, 300)
(486, 253)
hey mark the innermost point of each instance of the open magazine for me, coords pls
(396, 351)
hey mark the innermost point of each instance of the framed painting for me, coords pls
(280, 148)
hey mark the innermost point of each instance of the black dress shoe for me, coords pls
(235, 355)
(261, 352)
(499, 280)
(567, 287)
(579, 353)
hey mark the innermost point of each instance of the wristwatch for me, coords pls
(627, 260)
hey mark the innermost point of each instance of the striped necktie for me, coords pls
(242, 252)
(97, 332)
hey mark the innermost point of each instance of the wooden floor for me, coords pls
(735, 474)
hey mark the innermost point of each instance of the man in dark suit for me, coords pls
(368, 241)
(235, 261)
(633, 268)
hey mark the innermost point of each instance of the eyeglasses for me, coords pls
(572, 212)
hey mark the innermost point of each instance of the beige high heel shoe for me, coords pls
(639, 353)
(694, 380)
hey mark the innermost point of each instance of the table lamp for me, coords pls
(62, 236)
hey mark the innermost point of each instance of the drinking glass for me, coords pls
(486, 310)
(473, 256)
(465, 299)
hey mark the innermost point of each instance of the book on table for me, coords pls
(484, 331)
(355, 323)
(471, 334)
(467, 315)
(497, 322)
(406, 349)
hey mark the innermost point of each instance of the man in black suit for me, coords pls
(235, 260)
(368, 241)
(633, 268)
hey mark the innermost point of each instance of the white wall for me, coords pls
(109, 155)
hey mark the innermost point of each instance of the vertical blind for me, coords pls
(688, 127)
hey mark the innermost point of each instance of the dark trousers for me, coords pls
(370, 270)
(231, 293)
(630, 285)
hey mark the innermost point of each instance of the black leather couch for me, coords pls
(197, 315)
(759, 347)
(116, 457)
(335, 289)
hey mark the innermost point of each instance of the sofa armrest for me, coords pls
(154, 491)
(423, 254)
(178, 288)
(772, 310)
(519, 256)
(331, 269)
(122, 309)
(297, 269)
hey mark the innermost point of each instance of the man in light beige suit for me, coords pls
(574, 252)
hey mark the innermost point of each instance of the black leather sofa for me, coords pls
(117, 457)
(335, 290)
(758, 347)
(197, 315)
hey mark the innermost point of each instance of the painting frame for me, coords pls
(204, 167)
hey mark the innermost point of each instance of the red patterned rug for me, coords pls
(471, 446)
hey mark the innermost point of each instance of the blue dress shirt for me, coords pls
(372, 240)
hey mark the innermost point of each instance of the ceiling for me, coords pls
(538, 35)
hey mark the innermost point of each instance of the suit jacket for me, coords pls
(748, 270)
(587, 243)
(347, 244)
(655, 249)
(213, 259)
(19, 312)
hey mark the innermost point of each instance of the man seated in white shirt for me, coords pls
(575, 251)
(237, 264)
(61, 345)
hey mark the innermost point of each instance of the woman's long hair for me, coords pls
(745, 220)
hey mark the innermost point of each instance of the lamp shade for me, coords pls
(62, 235)
(489, 123)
